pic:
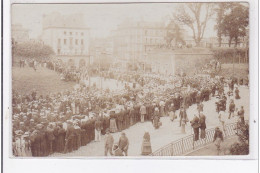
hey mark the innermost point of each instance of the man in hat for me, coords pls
(182, 114)
(200, 107)
(109, 143)
(35, 142)
(77, 133)
(50, 137)
(218, 138)
(69, 137)
(241, 114)
(23, 127)
(43, 140)
(83, 132)
(232, 107)
(123, 143)
(203, 126)
(195, 125)
(60, 138)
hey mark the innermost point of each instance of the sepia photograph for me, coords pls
(130, 80)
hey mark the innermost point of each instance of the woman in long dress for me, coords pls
(156, 118)
(218, 138)
(26, 146)
(113, 126)
(237, 93)
(172, 112)
(221, 118)
(162, 104)
(131, 114)
(146, 145)
(18, 143)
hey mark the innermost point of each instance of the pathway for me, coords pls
(168, 132)
(211, 149)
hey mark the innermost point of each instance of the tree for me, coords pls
(220, 11)
(174, 32)
(233, 21)
(241, 147)
(195, 16)
(32, 50)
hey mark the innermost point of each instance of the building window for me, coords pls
(70, 33)
(82, 33)
(65, 41)
(82, 42)
(58, 51)
(71, 41)
(76, 41)
(65, 33)
(59, 41)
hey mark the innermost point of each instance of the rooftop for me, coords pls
(55, 20)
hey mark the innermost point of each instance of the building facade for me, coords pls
(19, 34)
(211, 42)
(67, 35)
(101, 49)
(134, 40)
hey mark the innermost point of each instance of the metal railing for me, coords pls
(187, 144)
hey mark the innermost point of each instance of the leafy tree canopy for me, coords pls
(32, 50)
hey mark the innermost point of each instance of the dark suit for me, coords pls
(202, 122)
(69, 139)
(195, 125)
(123, 144)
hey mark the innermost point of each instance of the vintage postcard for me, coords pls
(130, 80)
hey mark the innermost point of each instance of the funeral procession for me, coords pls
(140, 80)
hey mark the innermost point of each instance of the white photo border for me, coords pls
(84, 163)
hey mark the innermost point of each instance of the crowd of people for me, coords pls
(63, 122)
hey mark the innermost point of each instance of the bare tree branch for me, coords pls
(194, 17)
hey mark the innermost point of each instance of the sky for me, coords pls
(100, 18)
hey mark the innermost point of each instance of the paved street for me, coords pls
(168, 132)
(211, 149)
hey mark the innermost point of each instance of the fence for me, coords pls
(187, 144)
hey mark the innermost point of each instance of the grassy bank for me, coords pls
(45, 81)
